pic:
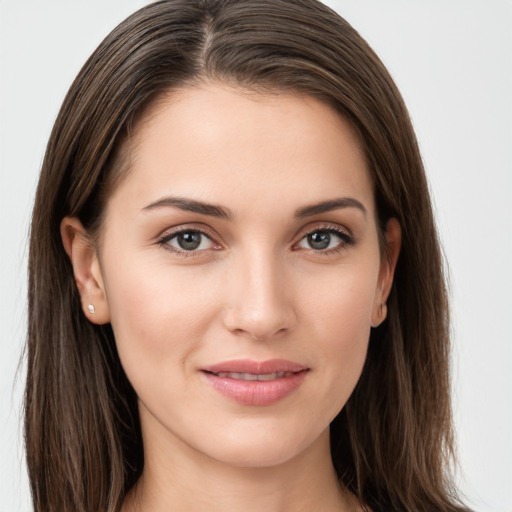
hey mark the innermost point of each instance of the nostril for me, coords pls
(243, 332)
(258, 336)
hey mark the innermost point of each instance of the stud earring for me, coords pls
(91, 309)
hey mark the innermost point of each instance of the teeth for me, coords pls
(252, 376)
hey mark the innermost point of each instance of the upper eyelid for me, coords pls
(182, 228)
(326, 226)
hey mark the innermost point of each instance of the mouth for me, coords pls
(252, 376)
(256, 383)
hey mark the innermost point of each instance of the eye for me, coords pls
(325, 239)
(189, 240)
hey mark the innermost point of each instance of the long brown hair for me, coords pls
(392, 444)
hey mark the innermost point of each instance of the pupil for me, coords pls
(319, 240)
(189, 240)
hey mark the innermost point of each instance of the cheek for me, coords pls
(158, 312)
(340, 316)
(342, 301)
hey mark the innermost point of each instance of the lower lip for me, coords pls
(256, 392)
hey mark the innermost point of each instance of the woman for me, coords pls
(236, 295)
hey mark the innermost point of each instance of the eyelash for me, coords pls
(164, 240)
(346, 240)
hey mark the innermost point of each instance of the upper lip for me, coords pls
(255, 367)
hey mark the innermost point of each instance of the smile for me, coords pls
(252, 376)
(256, 383)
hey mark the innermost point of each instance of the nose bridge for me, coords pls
(260, 305)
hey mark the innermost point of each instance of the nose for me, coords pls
(260, 305)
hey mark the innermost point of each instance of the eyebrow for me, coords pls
(190, 205)
(327, 206)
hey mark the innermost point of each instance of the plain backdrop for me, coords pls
(452, 60)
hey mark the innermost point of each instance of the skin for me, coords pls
(254, 289)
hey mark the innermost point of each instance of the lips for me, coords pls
(256, 383)
(253, 376)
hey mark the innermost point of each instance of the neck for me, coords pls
(183, 479)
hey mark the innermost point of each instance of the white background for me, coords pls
(452, 60)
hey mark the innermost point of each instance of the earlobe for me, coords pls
(86, 268)
(380, 312)
(393, 236)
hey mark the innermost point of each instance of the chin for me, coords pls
(265, 451)
(257, 458)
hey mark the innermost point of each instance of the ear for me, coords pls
(86, 268)
(393, 237)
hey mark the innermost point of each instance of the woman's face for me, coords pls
(240, 268)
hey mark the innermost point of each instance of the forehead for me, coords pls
(224, 144)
